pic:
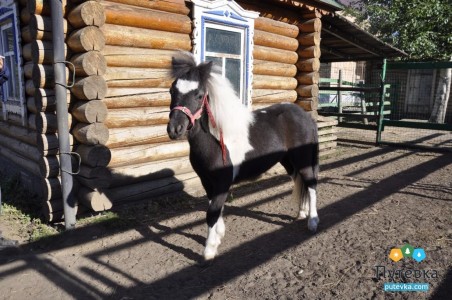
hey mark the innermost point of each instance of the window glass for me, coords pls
(223, 41)
(217, 61)
(233, 72)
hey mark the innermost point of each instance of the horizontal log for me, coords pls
(274, 82)
(42, 52)
(90, 88)
(86, 14)
(43, 100)
(273, 96)
(276, 55)
(86, 39)
(138, 77)
(308, 105)
(262, 38)
(94, 156)
(117, 56)
(94, 199)
(26, 51)
(280, 14)
(309, 39)
(20, 147)
(53, 211)
(262, 67)
(309, 52)
(34, 107)
(307, 78)
(130, 136)
(91, 134)
(18, 132)
(43, 76)
(174, 6)
(22, 161)
(44, 24)
(137, 97)
(48, 143)
(42, 7)
(308, 65)
(89, 63)
(133, 16)
(95, 178)
(90, 111)
(30, 88)
(117, 35)
(312, 25)
(277, 27)
(43, 122)
(130, 117)
(154, 188)
(51, 188)
(24, 16)
(132, 155)
(150, 171)
(26, 35)
(308, 90)
(28, 69)
(49, 166)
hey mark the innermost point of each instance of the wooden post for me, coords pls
(339, 95)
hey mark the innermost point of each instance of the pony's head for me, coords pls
(188, 91)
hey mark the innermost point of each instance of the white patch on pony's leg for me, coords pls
(186, 86)
(214, 236)
(313, 220)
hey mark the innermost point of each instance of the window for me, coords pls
(9, 47)
(223, 34)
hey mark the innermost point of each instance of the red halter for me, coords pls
(197, 115)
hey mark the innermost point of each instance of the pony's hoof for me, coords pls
(302, 215)
(209, 253)
(313, 223)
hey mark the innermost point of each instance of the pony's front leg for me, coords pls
(216, 227)
(313, 220)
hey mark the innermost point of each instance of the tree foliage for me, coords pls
(422, 28)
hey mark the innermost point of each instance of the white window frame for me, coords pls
(13, 105)
(229, 16)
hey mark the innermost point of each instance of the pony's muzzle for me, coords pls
(176, 128)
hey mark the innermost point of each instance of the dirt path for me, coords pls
(370, 201)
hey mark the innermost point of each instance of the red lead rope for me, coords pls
(197, 115)
(214, 125)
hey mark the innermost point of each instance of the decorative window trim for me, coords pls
(226, 14)
(8, 11)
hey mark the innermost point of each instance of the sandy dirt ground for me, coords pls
(370, 200)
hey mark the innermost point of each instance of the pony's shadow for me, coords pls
(154, 227)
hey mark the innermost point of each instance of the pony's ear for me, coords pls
(181, 63)
(204, 71)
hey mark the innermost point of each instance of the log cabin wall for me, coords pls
(121, 51)
(287, 63)
(140, 38)
(33, 148)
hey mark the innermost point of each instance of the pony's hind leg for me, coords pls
(300, 197)
(308, 203)
(216, 227)
(313, 220)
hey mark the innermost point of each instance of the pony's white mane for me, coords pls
(231, 116)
